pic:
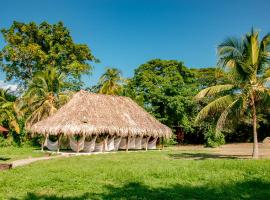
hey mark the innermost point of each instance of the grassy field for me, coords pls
(9, 154)
(170, 174)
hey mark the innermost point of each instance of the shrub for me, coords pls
(214, 138)
(5, 142)
(170, 141)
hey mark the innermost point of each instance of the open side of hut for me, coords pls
(118, 122)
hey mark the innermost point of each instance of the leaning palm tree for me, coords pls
(8, 110)
(110, 82)
(246, 61)
(44, 96)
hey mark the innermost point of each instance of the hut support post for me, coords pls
(127, 142)
(105, 143)
(162, 145)
(77, 144)
(146, 146)
(58, 140)
(42, 143)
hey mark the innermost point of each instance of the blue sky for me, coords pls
(127, 33)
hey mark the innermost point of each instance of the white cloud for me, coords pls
(11, 87)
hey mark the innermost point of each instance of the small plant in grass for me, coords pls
(6, 142)
(170, 141)
(214, 138)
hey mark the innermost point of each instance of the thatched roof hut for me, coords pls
(94, 114)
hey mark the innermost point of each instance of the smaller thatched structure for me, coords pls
(2, 129)
(94, 115)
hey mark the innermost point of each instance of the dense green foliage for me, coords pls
(33, 47)
(44, 95)
(168, 174)
(165, 88)
(8, 113)
(213, 138)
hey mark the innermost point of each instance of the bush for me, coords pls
(6, 142)
(214, 138)
(36, 140)
(170, 141)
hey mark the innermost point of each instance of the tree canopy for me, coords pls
(44, 96)
(163, 88)
(32, 47)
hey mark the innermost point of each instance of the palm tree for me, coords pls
(44, 96)
(110, 82)
(247, 63)
(8, 109)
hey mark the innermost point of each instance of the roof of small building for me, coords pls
(2, 129)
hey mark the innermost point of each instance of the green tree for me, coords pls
(129, 90)
(44, 96)
(206, 77)
(247, 62)
(164, 87)
(110, 82)
(202, 132)
(31, 48)
(8, 110)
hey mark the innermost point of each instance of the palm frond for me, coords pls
(235, 107)
(214, 107)
(213, 90)
(232, 46)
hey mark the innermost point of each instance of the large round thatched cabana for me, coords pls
(118, 121)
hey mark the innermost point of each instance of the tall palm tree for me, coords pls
(8, 109)
(44, 96)
(110, 82)
(247, 62)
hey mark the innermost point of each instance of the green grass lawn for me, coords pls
(168, 174)
(9, 154)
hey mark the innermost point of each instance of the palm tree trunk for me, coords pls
(255, 153)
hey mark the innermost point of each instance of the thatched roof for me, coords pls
(94, 114)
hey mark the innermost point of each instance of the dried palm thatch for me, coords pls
(95, 114)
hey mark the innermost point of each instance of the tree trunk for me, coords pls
(58, 143)
(255, 153)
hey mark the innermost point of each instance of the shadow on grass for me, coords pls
(204, 156)
(254, 189)
(4, 158)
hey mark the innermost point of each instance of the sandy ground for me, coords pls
(237, 150)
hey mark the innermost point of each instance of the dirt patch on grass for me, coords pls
(237, 150)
